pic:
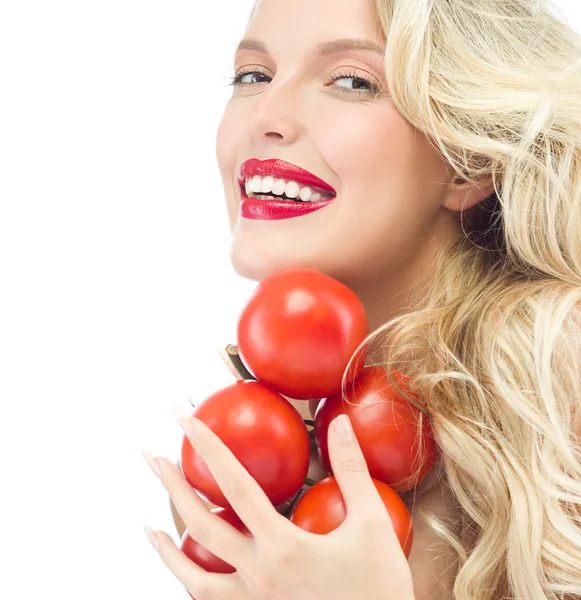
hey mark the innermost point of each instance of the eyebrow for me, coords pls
(322, 48)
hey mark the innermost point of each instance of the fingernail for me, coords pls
(184, 422)
(153, 540)
(343, 428)
(152, 462)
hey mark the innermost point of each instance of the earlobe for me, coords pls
(463, 194)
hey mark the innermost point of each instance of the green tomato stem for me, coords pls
(309, 483)
(287, 513)
(234, 363)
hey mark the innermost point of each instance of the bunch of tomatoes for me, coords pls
(300, 333)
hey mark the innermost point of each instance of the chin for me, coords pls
(256, 264)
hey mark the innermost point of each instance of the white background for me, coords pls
(116, 289)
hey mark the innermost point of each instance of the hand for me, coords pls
(362, 558)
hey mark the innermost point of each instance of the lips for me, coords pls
(282, 170)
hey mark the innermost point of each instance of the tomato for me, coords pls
(265, 433)
(387, 427)
(322, 509)
(208, 561)
(298, 332)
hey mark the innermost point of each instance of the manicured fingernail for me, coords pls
(152, 537)
(152, 462)
(184, 422)
(343, 428)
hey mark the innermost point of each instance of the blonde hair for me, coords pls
(494, 347)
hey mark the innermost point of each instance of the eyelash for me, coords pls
(373, 89)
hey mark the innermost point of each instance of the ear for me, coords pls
(462, 194)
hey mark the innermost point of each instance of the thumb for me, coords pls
(350, 470)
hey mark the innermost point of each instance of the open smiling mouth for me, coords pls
(285, 200)
(276, 189)
(269, 188)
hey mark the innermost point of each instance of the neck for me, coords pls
(391, 292)
(394, 296)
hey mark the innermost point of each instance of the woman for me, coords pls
(452, 141)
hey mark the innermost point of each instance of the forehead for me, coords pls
(296, 25)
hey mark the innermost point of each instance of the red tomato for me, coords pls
(197, 553)
(265, 433)
(298, 332)
(322, 509)
(387, 427)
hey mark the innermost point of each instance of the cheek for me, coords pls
(382, 162)
(226, 138)
(384, 167)
(227, 142)
(371, 144)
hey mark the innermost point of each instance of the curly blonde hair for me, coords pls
(494, 347)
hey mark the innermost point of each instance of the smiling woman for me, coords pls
(447, 137)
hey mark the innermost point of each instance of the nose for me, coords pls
(275, 114)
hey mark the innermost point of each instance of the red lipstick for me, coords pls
(254, 208)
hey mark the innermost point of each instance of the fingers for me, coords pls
(241, 490)
(208, 529)
(198, 582)
(351, 472)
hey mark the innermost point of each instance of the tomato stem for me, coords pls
(234, 363)
(287, 513)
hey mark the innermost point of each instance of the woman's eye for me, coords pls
(358, 82)
(237, 80)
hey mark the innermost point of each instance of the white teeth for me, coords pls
(292, 189)
(269, 185)
(256, 184)
(279, 186)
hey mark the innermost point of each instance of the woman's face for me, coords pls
(389, 182)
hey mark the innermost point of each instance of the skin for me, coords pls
(397, 199)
